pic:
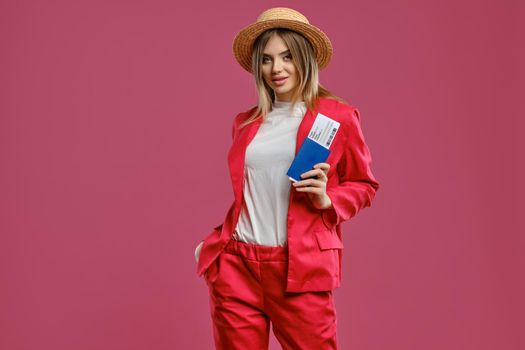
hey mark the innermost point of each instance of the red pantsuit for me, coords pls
(292, 285)
(247, 285)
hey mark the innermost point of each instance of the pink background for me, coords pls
(115, 124)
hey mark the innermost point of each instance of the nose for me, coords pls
(277, 66)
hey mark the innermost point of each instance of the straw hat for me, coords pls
(281, 17)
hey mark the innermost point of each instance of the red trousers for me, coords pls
(247, 293)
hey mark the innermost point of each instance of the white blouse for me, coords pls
(264, 211)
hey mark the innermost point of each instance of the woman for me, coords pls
(277, 255)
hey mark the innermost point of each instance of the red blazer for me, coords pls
(314, 235)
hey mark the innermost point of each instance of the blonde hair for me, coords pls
(308, 88)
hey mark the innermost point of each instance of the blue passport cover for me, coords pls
(309, 155)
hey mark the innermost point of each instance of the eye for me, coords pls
(289, 57)
(265, 59)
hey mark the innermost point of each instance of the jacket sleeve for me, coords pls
(234, 127)
(357, 186)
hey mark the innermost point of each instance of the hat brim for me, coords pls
(243, 41)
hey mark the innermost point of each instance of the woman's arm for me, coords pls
(199, 246)
(357, 185)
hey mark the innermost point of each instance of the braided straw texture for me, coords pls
(281, 17)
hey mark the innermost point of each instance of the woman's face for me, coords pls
(278, 70)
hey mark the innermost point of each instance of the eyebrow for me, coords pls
(282, 53)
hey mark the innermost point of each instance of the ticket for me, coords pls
(315, 148)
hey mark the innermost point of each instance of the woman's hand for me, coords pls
(316, 188)
(198, 251)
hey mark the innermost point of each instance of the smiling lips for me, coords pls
(279, 81)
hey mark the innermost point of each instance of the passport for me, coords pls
(315, 148)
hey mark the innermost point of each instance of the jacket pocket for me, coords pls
(328, 239)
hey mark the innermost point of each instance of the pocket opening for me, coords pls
(328, 239)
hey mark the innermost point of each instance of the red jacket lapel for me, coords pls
(237, 153)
